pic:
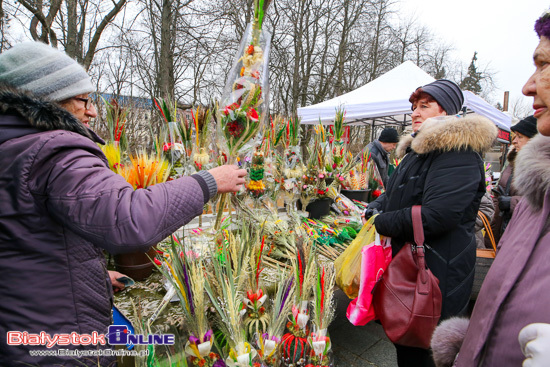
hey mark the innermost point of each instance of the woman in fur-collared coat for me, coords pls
(442, 171)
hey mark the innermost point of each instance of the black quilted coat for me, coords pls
(443, 172)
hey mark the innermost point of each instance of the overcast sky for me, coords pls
(501, 31)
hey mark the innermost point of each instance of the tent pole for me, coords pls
(372, 131)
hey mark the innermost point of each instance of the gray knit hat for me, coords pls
(43, 70)
(447, 94)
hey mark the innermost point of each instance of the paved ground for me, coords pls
(359, 346)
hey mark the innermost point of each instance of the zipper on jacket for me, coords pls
(435, 252)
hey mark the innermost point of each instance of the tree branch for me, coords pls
(97, 34)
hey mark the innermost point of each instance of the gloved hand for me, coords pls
(534, 340)
(504, 203)
(369, 212)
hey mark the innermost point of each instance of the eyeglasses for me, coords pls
(87, 102)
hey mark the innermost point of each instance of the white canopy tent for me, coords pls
(385, 100)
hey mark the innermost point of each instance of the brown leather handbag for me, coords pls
(407, 299)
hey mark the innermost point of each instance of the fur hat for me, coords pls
(389, 135)
(527, 127)
(447, 94)
(44, 71)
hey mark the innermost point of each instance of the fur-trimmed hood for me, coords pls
(40, 115)
(473, 132)
(532, 170)
(447, 340)
(403, 145)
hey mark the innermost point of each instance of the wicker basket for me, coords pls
(484, 259)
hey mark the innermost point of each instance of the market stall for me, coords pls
(385, 100)
(249, 282)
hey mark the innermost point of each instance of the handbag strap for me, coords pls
(418, 229)
(488, 229)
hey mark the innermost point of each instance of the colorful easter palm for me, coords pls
(145, 170)
(245, 99)
(323, 314)
(186, 275)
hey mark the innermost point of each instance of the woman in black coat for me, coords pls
(442, 171)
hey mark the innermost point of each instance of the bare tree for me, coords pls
(520, 108)
(379, 52)
(183, 49)
(438, 63)
(352, 12)
(75, 24)
(4, 28)
(43, 15)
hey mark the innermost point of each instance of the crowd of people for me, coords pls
(442, 171)
(61, 206)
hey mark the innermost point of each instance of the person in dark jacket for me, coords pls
(380, 149)
(61, 206)
(506, 196)
(510, 321)
(442, 171)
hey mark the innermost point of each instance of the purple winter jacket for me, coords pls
(60, 206)
(516, 291)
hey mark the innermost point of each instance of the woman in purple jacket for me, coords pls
(516, 291)
(61, 206)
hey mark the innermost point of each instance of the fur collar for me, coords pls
(532, 170)
(41, 114)
(473, 132)
(403, 145)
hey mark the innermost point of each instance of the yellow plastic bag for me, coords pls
(348, 264)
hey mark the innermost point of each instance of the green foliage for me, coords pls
(472, 80)
(116, 120)
(339, 123)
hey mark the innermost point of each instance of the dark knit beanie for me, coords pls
(527, 127)
(447, 94)
(389, 135)
(43, 70)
